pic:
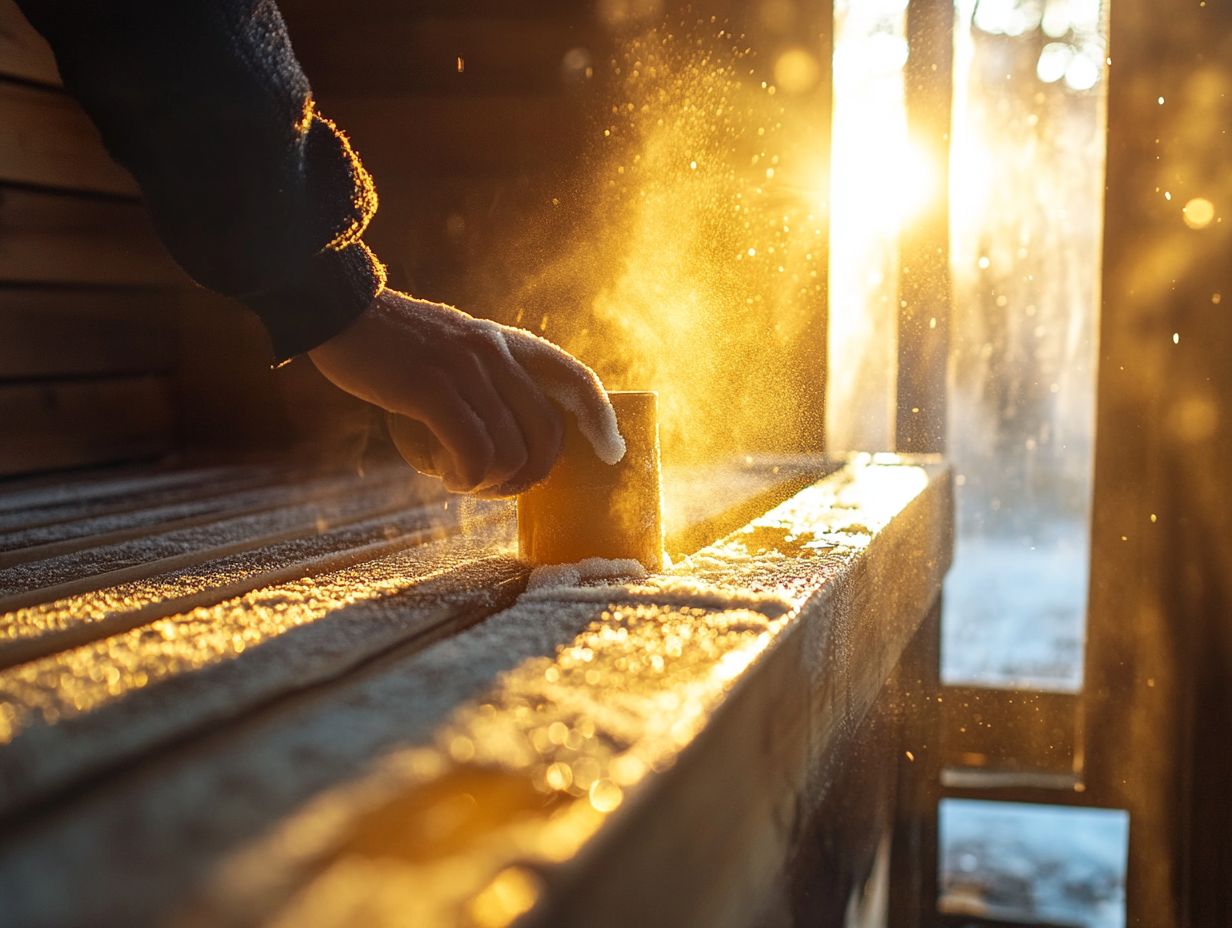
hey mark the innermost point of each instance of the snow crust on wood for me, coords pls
(89, 495)
(150, 517)
(70, 713)
(565, 705)
(555, 576)
(345, 502)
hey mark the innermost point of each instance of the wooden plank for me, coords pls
(92, 593)
(1158, 654)
(158, 549)
(58, 239)
(68, 622)
(66, 333)
(924, 249)
(586, 732)
(74, 424)
(128, 494)
(24, 545)
(23, 52)
(45, 499)
(96, 591)
(703, 503)
(1028, 730)
(919, 759)
(50, 142)
(189, 670)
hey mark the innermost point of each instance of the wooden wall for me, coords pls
(85, 337)
(1160, 739)
(472, 115)
(466, 116)
(107, 351)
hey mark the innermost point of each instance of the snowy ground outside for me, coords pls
(1052, 864)
(1015, 611)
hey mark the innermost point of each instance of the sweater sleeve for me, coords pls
(255, 193)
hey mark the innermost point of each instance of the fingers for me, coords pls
(572, 385)
(469, 448)
(542, 427)
(416, 443)
(491, 404)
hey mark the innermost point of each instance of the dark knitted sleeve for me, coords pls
(256, 194)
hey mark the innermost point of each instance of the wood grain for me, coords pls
(333, 791)
(23, 52)
(66, 333)
(50, 142)
(75, 424)
(58, 239)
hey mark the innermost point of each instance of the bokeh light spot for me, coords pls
(1198, 213)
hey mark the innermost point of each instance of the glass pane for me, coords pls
(1043, 864)
(1026, 213)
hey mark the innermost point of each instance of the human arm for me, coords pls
(255, 193)
(261, 198)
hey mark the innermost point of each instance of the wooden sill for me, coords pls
(410, 739)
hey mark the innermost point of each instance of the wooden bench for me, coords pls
(251, 696)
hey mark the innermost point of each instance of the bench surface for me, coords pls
(257, 696)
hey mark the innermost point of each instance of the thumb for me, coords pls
(417, 445)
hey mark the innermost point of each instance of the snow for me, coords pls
(1035, 863)
(555, 576)
(1015, 611)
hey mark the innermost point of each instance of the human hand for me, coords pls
(473, 402)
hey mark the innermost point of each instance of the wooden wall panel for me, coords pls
(423, 135)
(1159, 653)
(47, 140)
(23, 53)
(503, 56)
(78, 423)
(49, 238)
(67, 333)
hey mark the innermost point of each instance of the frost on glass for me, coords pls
(1026, 210)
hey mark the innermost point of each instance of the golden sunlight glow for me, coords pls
(894, 186)
(704, 243)
(879, 182)
(605, 795)
(1198, 213)
(525, 773)
(512, 893)
(797, 70)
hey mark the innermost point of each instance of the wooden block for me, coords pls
(49, 333)
(598, 755)
(80, 423)
(61, 239)
(23, 52)
(50, 142)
